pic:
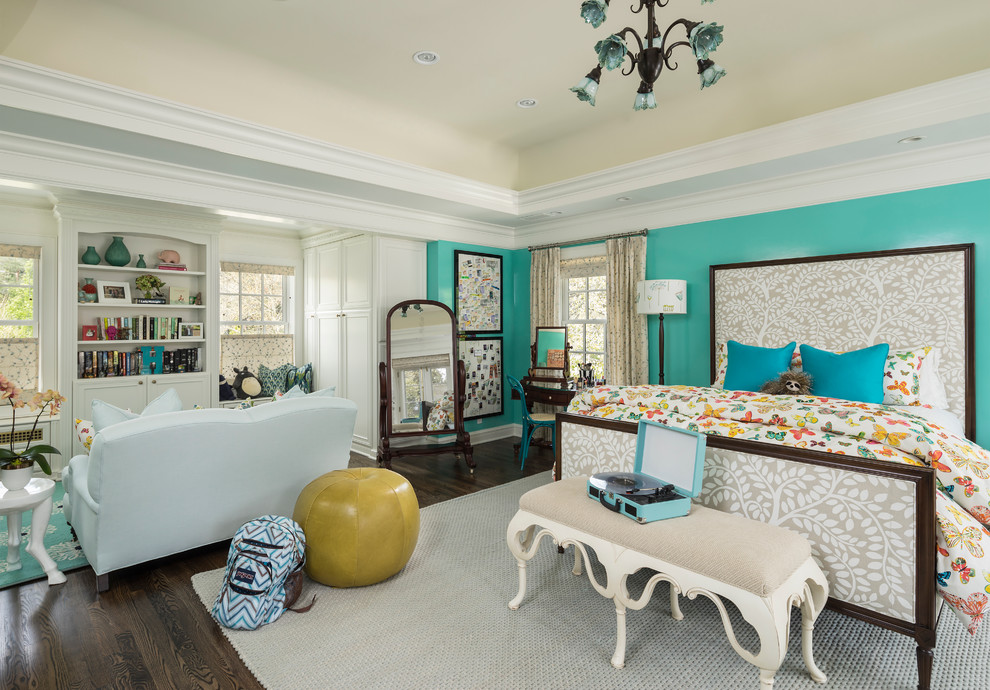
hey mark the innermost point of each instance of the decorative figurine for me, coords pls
(168, 256)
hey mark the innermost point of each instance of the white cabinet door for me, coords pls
(193, 389)
(356, 269)
(359, 374)
(126, 392)
(328, 353)
(327, 268)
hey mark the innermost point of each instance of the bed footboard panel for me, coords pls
(870, 523)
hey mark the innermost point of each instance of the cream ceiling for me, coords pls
(343, 72)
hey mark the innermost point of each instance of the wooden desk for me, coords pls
(545, 392)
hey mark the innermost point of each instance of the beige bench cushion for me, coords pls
(751, 555)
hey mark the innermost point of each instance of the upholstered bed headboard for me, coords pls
(905, 297)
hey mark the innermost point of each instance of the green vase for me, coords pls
(90, 256)
(117, 254)
(140, 262)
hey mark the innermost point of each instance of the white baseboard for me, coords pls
(480, 436)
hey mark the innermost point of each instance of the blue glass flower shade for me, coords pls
(645, 101)
(586, 90)
(704, 39)
(709, 72)
(611, 52)
(593, 12)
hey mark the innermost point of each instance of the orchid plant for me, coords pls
(49, 400)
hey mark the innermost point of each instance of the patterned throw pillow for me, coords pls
(84, 432)
(300, 376)
(441, 414)
(902, 375)
(273, 380)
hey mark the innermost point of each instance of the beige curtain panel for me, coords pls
(544, 289)
(626, 358)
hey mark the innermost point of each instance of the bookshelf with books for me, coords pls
(133, 339)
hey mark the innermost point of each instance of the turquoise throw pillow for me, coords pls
(300, 376)
(856, 375)
(750, 366)
(273, 380)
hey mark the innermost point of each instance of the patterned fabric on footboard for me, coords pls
(862, 526)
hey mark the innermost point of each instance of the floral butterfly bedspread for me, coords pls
(847, 428)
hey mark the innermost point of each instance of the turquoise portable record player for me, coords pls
(665, 477)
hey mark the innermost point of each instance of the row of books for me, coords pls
(172, 267)
(138, 327)
(153, 359)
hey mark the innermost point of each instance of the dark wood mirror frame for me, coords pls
(545, 373)
(462, 440)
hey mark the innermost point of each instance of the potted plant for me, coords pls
(16, 466)
(148, 284)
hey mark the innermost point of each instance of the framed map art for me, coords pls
(483, 376)
(479, 292)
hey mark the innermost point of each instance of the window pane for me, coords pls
(598, 362)
(250, 308)
(577, 305)
(228, 308)
(228, 281)
(250, 329)
(16, 304)
(251, 283)
(279, 328)
(273, 309)
(411, 393)
(14, 271)
(596, 337)
(577, 284)
(230, 330)
(273, 284)
(596, 305)
(575, 334)
(596, 283)
(16, 331)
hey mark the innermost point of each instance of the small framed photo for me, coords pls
(89, 332)
(190, 331)
(178, 295)
(112, 292)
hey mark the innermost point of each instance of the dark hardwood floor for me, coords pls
(150, 629)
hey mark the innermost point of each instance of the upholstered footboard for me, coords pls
(870, 523)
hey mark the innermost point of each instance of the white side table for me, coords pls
(36, 496)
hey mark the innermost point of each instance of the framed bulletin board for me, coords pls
(478, 304)
(483, 376)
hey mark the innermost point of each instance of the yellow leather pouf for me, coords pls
(361, 526)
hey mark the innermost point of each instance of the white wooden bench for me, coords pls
(762, 569)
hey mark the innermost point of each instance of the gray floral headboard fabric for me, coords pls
(907, 298)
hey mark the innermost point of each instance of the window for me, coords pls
(585, 318)
(19, 291)
(416, 382)
(254, 299)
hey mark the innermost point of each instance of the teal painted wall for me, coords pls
(944, 215)
(440, 286)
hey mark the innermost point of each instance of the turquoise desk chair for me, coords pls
(531, 422)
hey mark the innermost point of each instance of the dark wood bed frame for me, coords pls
(926, 604)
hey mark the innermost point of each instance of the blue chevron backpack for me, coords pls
(263, 575)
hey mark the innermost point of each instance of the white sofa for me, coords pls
(159, 485)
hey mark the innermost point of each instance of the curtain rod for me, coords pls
(590, 240)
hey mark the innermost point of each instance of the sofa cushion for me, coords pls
(105, 414)
(273, 380)
(300, 376)
(297, 392)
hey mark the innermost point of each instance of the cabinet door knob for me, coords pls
(140, 383)
(154, 380)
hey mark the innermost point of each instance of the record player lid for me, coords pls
(675, 456)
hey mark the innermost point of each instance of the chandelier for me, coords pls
(654, 51)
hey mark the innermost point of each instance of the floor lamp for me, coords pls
(661, 297)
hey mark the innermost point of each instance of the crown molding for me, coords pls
(38, 89)
(947, 101)
(65, 166)
(951, 164)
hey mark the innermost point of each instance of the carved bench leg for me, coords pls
(766, 678)
(807, 635)
(675, 606)
(521, 567)
(619, 658)
(576, 570)
(926, 655)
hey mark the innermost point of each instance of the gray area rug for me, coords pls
(443, 622)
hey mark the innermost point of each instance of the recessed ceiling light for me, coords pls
(910, 140)
(624, 198)
(555, 213)
(426, 57)
(527, 103)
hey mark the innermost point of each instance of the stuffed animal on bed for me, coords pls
(790, 382)
(246, 385)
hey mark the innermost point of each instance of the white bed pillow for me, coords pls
(932, 387)
(943, 418)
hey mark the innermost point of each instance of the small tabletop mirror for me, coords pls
(551, 350)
